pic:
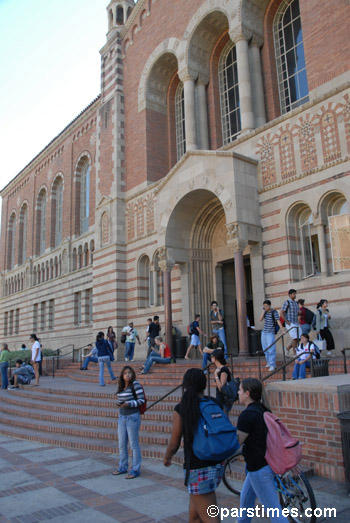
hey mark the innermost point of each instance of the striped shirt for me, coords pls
(291, 310)
(126, 396)
(269, 323)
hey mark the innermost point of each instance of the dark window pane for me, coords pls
(286, 17)
(291, 62)
(298, 36)
(293, 89)
(303, 87)
(229, 59)
(295, 9)
(288, 38)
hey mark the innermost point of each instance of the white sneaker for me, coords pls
(126, 359)
(272, 368)
(267, 365)
(286, 352)
(330, 354)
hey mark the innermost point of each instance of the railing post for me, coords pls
(208, 380)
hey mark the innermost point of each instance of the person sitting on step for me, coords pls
(22, 375)
(160, 354)
(213, 344)
(91, 357)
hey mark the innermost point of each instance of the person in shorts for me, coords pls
(194, 332)
(290, 314)
(202, 477)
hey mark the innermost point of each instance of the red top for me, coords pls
(167, 352)
(302, 317)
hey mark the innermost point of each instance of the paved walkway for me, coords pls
(45, 483)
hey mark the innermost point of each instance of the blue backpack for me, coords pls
(215, 438)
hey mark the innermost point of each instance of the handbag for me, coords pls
(321, 344)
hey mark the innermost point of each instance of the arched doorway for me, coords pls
(196, 239)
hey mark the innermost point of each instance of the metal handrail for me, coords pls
(262, 352)
(283, 367)
(344, 358)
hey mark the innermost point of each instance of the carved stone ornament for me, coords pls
(219, 189)
(162, 253)
(232, 230)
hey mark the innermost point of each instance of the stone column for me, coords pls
(166, 266)
(244, 84)
(203, 131)
(154, 282)
(241, 299)
(322, 247)
(190, 111)
(257, 83)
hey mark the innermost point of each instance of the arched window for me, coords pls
(144, 282)
(120, 15)
(57, 211)
(180, 121)
(229, 94)
(41, 223)
(84, 199)
(334, 210)
(290, 58)
(11, 242)
(303, 243)
(22, 239)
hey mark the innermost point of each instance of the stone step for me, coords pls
(72, 442)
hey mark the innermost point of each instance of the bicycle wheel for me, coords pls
(297, 495)
(234, 473)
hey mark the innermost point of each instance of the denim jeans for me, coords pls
(87, 361)
(128, 430)
(4, 374)
(222, 337)
(299, 371)
(129, 350)
(101, 361)
(154, 358)
(260, 484)
(206, 359)
(305, 329)
(266, 339)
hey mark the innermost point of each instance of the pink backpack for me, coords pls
(283, 452)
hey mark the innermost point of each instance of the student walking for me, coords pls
(217, 323)
(36, 357)
(290, 314)
(322, 326)
(195, 332)
(131, 337)
(252, 434)
(271, 319)
(103, 347)
(4, 365)
(204, 476)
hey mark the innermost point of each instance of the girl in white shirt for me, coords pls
(36, 357)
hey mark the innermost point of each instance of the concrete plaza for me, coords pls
(45, 483)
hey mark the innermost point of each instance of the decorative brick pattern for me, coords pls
(287, 156)
(307, 144)
(329, 134)
(265, 149)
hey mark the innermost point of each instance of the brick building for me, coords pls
(213, 165)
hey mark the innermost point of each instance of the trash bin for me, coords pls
(180, 346)
(320, 368)
(344, 418)
(254, 341)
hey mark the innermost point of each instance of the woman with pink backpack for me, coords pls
(252, 434)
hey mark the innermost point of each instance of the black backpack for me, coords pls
(309, 316)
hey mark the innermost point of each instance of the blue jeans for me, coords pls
(222, 337)
(129, 350)
(128, 430)
(87, 361)
(206, 359)
(260, 484)
(266, 339)
(101, 361)
(4, 374)
(299, 371)
(305, 329)
(154, 358)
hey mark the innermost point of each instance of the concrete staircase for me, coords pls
(72, 411)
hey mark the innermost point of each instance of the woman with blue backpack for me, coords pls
(204, 456)
(252, 434)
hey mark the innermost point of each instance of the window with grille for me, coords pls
(290, 58)
(84, 199)
(229, 94)
(180, 122)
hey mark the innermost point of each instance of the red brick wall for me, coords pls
(311, 417)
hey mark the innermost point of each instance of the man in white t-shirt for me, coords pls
(36, 357)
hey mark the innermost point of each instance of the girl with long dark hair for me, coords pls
(222, 375)
(130, 396)
(112, 338)
(203, 477)
(322, 325)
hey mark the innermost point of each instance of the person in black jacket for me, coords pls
(102, 347)
(153, 331)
